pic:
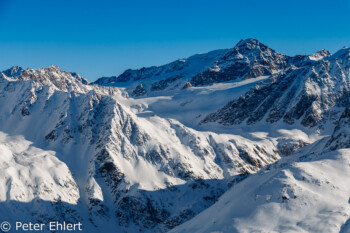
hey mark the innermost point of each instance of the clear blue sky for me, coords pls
(103, 38)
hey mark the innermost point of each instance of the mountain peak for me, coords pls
(248, 41)
(51, 76)
(250, 45)
(57, 69)
(323, 53)
(15, 68)
(53, 68)
(13, 71)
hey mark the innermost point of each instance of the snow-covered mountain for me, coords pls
(308, 94)
(153, 148)
(306, 192)
(248, 59)
(131, 172)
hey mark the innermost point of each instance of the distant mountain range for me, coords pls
(234, 140)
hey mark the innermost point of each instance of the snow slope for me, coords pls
(28, 172)
(306, 192)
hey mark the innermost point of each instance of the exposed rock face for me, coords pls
(163, 84)
(288, 146)
(248, 59)
(187, 85)
(341, 136)
(52, 76)
(167, 77)
(323, 53)
(306, 95)
(139, 91)
(144, 73)
(13, 71)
